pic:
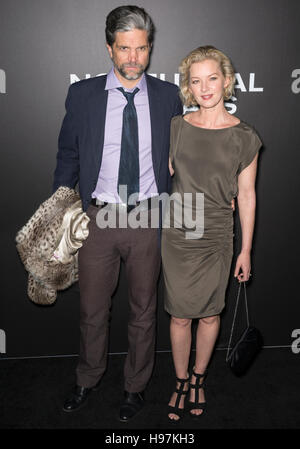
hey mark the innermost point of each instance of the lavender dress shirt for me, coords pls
(106, 189)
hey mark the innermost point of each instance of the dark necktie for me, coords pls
(129, 168)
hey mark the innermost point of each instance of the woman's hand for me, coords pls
(171, 168)
(243, 267)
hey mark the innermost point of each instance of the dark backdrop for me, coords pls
(45, 45)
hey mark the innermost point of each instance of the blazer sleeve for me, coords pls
(178, 108)
(67, 159)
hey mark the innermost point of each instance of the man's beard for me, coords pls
(121, 69)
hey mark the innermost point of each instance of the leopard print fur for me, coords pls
(36, 242)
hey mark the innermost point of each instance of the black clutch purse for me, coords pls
(241, 356)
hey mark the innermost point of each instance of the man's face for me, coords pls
(130, 53)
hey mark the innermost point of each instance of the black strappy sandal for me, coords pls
(180, 392)
(196, 405)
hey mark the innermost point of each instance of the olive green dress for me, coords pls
(196, 269)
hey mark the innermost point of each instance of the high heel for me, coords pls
(175, 409)
(196, 405)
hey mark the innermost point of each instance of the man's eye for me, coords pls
(213, 78)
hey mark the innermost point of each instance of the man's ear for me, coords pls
(109, 49)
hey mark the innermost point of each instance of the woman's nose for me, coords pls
(203, 86)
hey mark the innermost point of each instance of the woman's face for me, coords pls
(207, 83)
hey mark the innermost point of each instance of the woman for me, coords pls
(214, 153)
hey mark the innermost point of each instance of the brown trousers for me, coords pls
(99, 265)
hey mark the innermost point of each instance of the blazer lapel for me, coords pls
(97, 120)
(157, 124)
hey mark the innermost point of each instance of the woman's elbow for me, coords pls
(247, 197)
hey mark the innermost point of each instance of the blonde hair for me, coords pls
(198, 55)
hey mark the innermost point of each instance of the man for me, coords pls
(116, 133)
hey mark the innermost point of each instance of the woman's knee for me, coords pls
(210, 319)
(182, 322)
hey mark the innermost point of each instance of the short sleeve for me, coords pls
(249, 148)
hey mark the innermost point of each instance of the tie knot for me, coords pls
(128, 95)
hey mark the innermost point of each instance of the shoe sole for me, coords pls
(75, 409)
(96, 388)
(130, 419)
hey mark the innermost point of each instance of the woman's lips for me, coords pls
(206, 97)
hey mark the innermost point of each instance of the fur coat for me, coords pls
(49, 242)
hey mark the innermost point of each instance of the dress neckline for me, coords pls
(211, 129)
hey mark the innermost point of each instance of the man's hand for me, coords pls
(171, 168)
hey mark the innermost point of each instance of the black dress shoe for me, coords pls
(78, 397)
(132, 404)
(97, 386)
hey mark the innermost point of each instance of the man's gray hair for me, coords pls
(127, 18)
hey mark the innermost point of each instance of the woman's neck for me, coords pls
(213, 117)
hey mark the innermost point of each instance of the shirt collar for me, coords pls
(112, 82)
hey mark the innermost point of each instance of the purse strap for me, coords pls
(234, 316)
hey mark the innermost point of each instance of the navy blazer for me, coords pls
(81, 139)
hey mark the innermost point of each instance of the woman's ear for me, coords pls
(227, 82)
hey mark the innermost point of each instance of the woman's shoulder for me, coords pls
(176, 119)
(248, 137)
(245, 128)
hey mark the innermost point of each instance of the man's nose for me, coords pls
(133, 55)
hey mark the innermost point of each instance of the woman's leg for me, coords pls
(207, 333)
(181, 337)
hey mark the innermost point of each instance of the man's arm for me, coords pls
(178, 108)
(67, 166)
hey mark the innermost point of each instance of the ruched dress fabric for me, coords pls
(208, 161)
